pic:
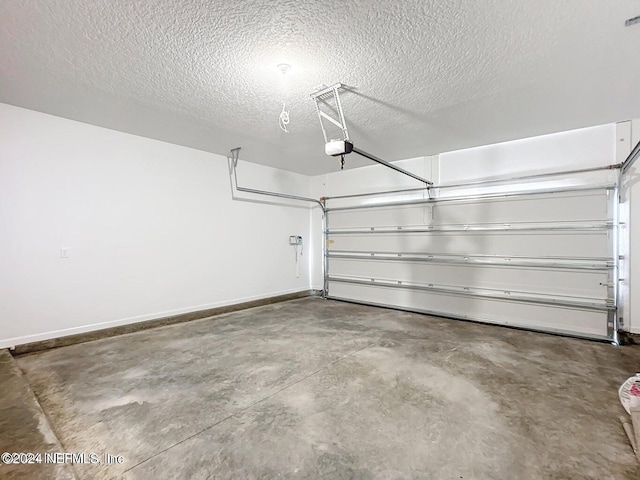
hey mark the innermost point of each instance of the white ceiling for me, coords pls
(428, 75)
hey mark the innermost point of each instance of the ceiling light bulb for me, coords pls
(284, 67)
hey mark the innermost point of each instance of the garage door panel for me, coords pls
(549, 281)
(581, 207)
(461, 249)
(539, 317)
(543, 209)
(381, 217)
(590, 244)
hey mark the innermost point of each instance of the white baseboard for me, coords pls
(38, 337)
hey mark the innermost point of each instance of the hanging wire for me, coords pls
(283, 120)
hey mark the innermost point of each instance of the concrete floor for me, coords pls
(319, 389)
(24, 427)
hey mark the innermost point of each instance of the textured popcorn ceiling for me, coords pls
(428, 75)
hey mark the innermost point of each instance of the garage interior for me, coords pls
(318, 239)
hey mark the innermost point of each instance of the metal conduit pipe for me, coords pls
(234, 159)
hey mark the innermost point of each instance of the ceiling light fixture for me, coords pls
(284, 68)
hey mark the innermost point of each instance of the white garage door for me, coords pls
(541, 260)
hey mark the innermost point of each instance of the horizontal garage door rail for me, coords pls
(472, 198)
(515, 261)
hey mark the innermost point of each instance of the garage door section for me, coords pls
(535, 259)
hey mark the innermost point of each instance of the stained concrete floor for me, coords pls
(320, 389)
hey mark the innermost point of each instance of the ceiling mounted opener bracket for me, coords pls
(342, 147)
(323, 96)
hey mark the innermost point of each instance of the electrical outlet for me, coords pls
(64, 252)
(295, 240)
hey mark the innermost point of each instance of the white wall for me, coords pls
(151, 229)
(583, 148)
